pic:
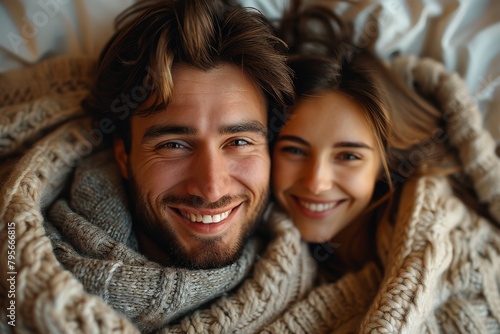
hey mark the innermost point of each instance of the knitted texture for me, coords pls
(441, 261)
(337, 306)
(77, 266)
(48, 298)
(463, 125)
(93, 238)
(444, 269)
(28, 107)
(282, 276)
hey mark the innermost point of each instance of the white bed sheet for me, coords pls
(463, 34)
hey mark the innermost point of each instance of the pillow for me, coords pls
(37, 30)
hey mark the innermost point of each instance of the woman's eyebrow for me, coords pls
(293, 139)
(342, 144)
(353, 144)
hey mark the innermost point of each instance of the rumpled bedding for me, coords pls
(463, 35)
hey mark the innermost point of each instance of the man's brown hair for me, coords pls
(152, 36)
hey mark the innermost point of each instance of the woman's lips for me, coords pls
(316, 209)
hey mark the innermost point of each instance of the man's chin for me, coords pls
(208, 257)
(203, 252)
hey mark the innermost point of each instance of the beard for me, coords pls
(212, 252)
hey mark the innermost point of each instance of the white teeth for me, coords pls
(317, 207)
(206, 219)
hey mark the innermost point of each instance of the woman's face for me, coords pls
(325, 165)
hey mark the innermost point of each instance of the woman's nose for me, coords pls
(319, 176)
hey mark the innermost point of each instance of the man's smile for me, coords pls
(206, 218)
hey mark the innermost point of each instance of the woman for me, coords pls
(392, 185)
(354, 136)
(337, 161)
(330, 155)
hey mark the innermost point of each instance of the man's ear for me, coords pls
(121, 156)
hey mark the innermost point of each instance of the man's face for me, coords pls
(199, 168)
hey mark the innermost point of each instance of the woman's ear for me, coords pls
(121, 156)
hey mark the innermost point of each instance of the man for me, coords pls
(192, 83)
(183, 91)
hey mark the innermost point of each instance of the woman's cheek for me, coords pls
(359, 181)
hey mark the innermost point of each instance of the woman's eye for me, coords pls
(349, 156)
(292, 150)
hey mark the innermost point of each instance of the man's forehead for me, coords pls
(225, 78)
(191, 86)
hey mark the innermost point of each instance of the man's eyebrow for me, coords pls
(250, 126)
(155, 131)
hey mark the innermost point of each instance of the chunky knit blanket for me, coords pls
(76, 267)
(441, 261)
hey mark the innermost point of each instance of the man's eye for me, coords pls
(239, 142)
(170, 145)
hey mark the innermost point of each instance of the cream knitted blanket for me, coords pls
(76, 268)
(441, 261)
(441, 270)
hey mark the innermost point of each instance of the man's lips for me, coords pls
(206, 219)
(205, 216)
(207, 222)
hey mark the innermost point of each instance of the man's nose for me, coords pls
(319, 176)
(209, 175)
